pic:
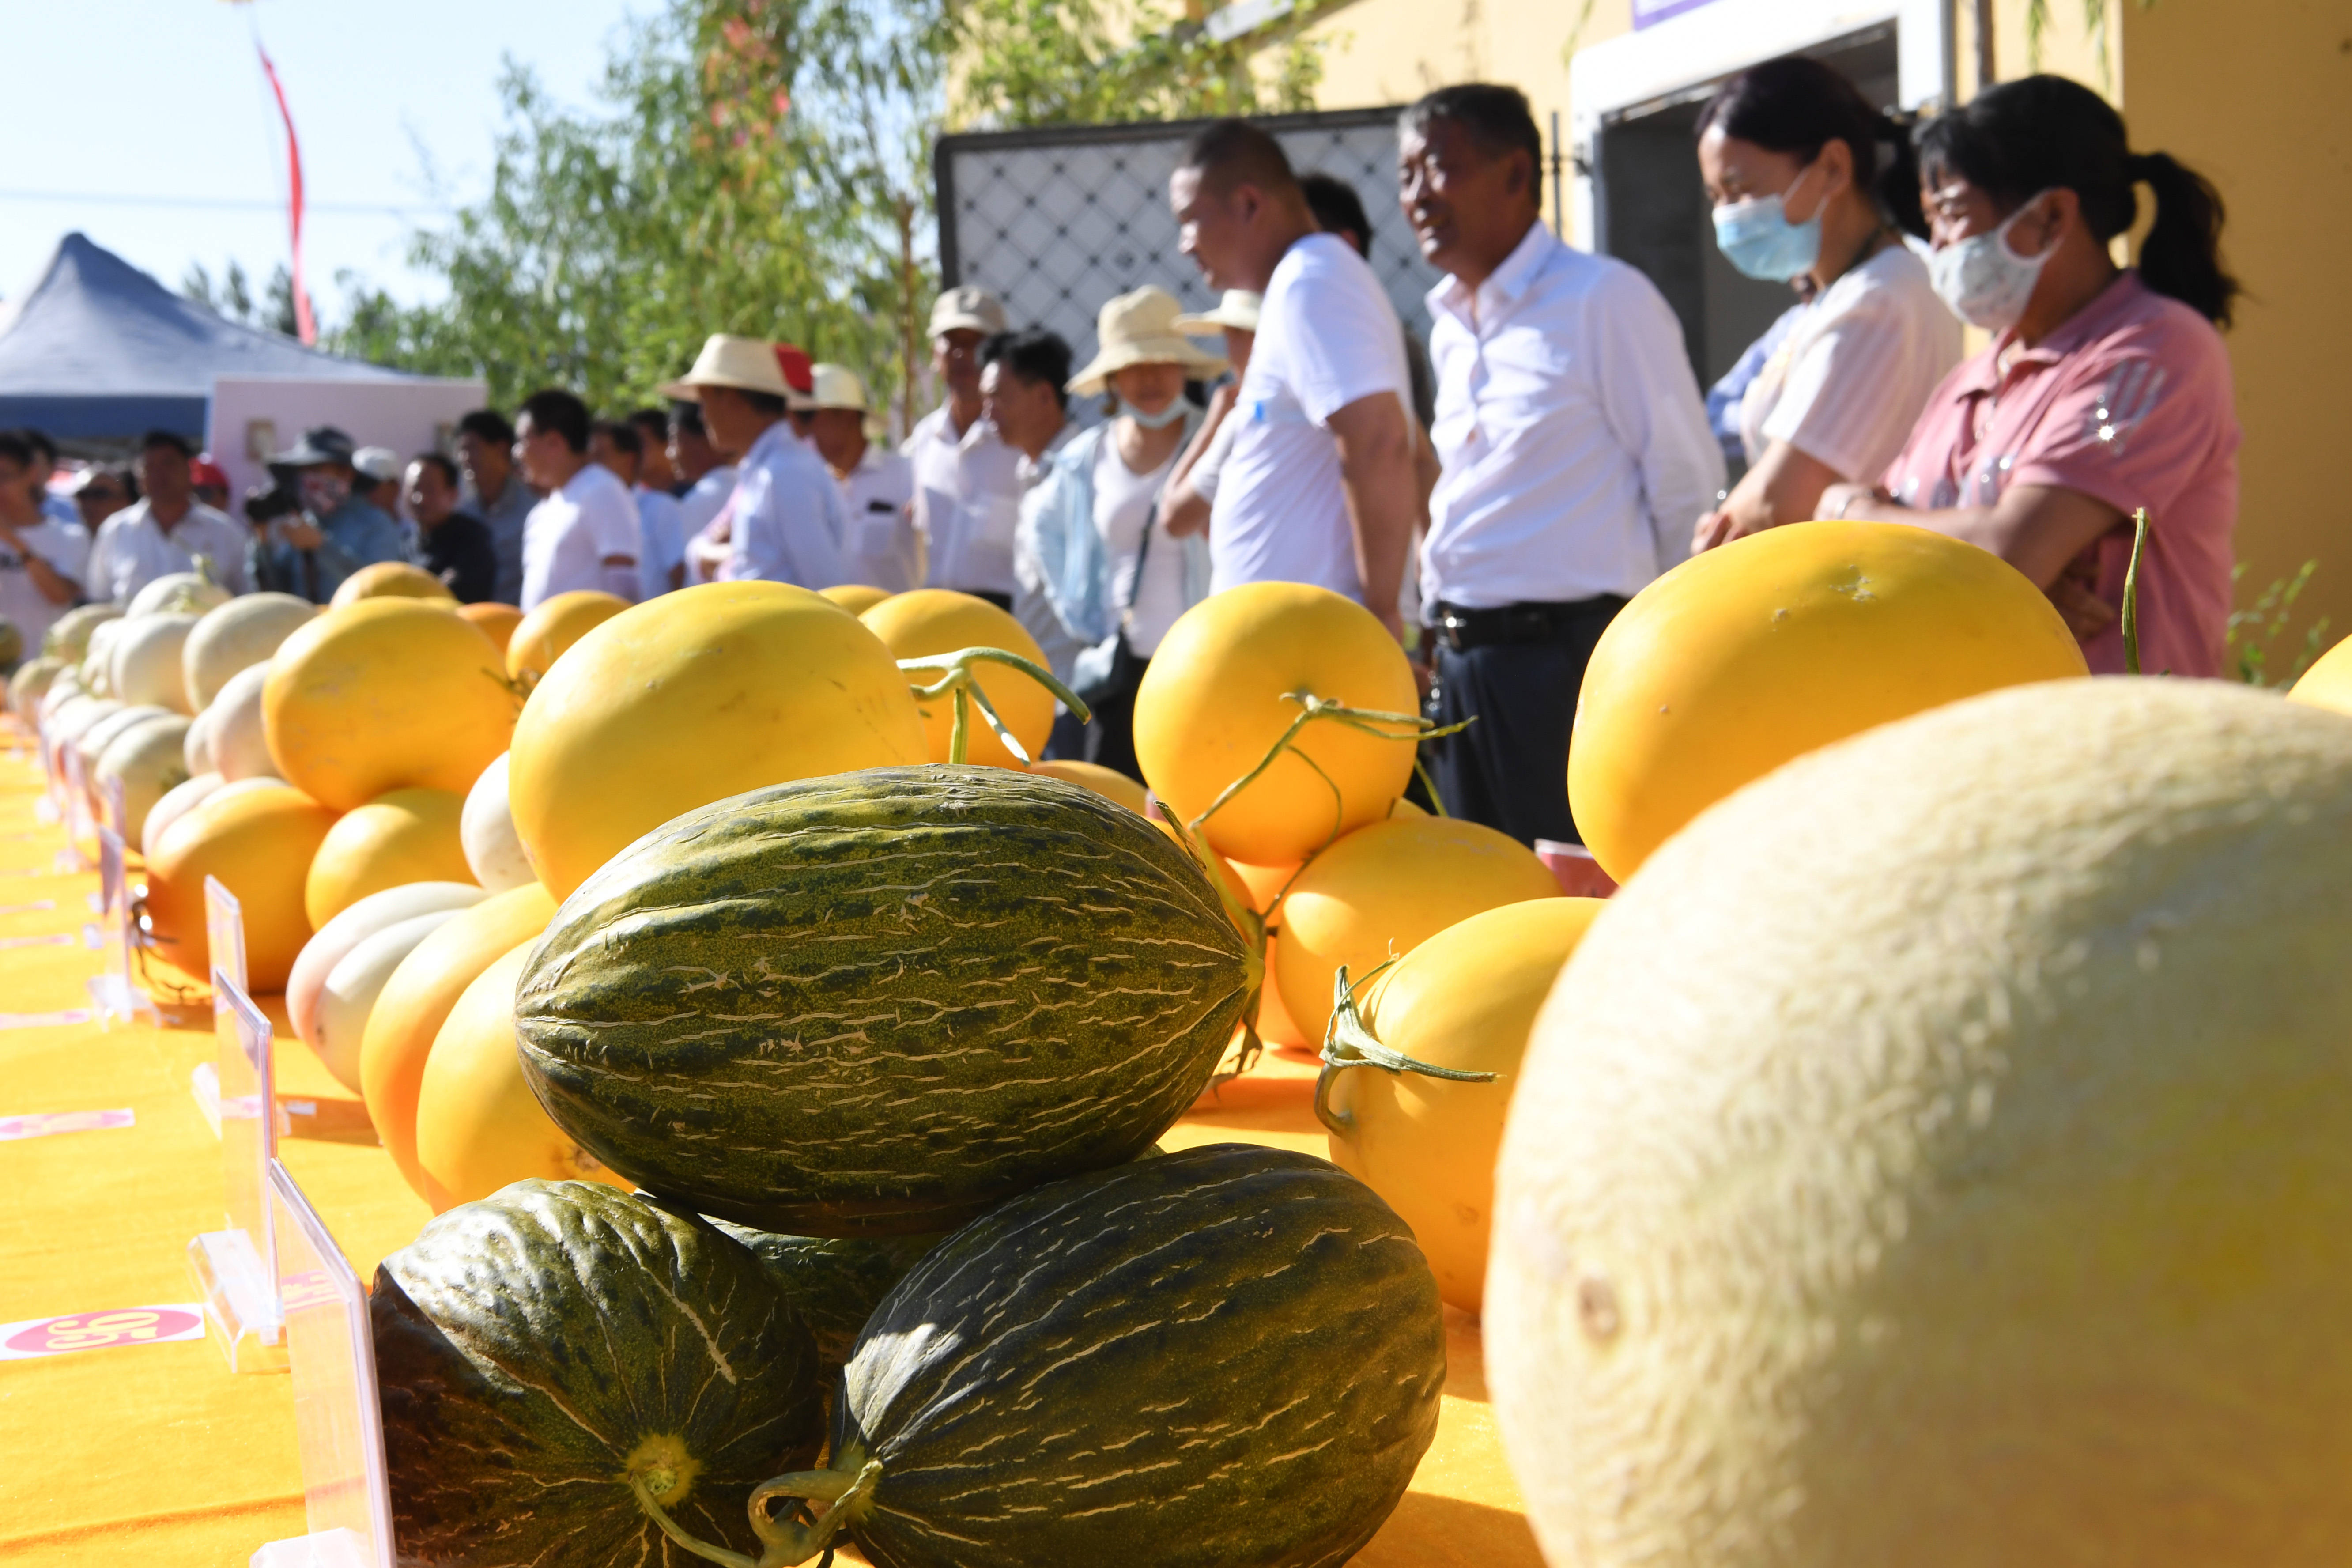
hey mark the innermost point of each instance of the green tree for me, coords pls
(764, 167)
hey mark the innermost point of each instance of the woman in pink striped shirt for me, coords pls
(2105, 390)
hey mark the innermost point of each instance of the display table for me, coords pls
(125, 1447)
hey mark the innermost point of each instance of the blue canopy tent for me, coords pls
(98, 350)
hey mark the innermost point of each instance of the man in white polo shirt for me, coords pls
(1321, 485)
(967, 479)
(585, 533)
(1575, 446)
(169, 531)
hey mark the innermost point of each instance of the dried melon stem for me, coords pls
(1348, 1042)
(958, 678)
(830, 1503)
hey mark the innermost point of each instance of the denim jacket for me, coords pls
(357, 535)
(1073, 607)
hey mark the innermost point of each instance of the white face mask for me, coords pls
(1982, 281)
(1160, 421)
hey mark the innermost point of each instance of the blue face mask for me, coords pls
(1160, 421)
(1755, 237)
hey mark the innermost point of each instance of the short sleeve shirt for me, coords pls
(65, 547)
(966, 503)
(877, 497)
(1857, 367)
(2131, 404)
(1326, 337)
(569, 534)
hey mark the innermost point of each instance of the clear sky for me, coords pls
(110, 103)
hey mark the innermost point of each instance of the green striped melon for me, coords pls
(880, 1002)
(545, 1352)
(832, 1283)
(1229, 1356)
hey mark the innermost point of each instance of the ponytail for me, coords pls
(1797, 105)
(2041, 133)
(2181, 255)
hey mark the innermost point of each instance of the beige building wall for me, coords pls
(2255, 93)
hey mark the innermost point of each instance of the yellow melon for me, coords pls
(1219, 694)
(1383, 890)
(690, 698)
(390, 580)
(415, 1002)
(479, 1126)
(498, 622)
(2328, 682)
(1466, 1001)
(381, 695)
(1745, 657)
(856, 597)
(1274, 1024)
(403, 835)
(1109, 782)
(534, 643)
(939, 620)
(1940, 1155)
(260, 841)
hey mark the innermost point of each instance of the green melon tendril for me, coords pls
(803, 1534)
(2131, 593)
(1348, 1042)
(957, 677)
(1368, 721)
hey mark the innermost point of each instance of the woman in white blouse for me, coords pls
(1815, 188)
(1092, 562)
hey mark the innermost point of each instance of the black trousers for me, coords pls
(1509, 769)
(1108, 740)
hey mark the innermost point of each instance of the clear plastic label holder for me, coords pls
(118, 997)
(79, 828)
(338, 1424)
(235, 1269)
(225, 930)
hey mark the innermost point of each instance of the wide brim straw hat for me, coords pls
(747, 364)
(1238, 309)
(1140, 328)
(838, 386)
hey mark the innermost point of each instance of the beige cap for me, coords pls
(1140, 328)
(968, 309)
(838, 386)
(747, 364)
(1238, 309)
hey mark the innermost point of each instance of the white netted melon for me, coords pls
(487, 828)
(239, 635)
(240, 737)
(143, 661)
(1940, 1155)
(177, 593)
(68, 636)
(177, 802)
(148, 758)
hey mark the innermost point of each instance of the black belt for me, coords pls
(1461, 629)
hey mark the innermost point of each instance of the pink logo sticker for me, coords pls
(99, 1330)
(42, 1124)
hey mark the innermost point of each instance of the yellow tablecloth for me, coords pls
(155, 1452)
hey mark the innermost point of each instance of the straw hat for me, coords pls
(747, 364)
(838, 386)
(967, 309)
(1140, 328)
(1238, 309)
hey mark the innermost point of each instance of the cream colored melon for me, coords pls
(239, 733)
(197, 745)
(239, 634)
(333, 941)
(179, 800)
(150, 761)
(353, 985)
(145, 661)
(1940, 1155)
(487, 828)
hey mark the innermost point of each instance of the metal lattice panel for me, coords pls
(1055, 222)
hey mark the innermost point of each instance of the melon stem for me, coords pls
(2131, 594)
(1368, 721)
(957, 677)
(1348, 1042)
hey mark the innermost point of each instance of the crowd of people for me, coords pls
(1493, 497)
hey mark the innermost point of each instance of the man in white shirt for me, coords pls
(618, 444)
(169, 531)
(1574, 444)
(784, 521)
(1321, 485)
(967, 484)
(877, 487)
(584, 534)
(41, 559)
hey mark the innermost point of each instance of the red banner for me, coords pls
(305, 328)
